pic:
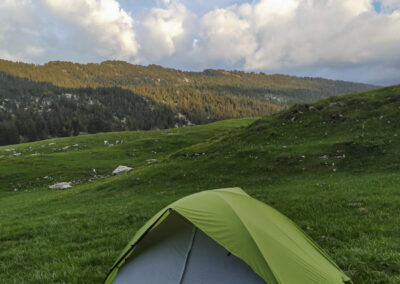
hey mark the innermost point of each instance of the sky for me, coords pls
(353, 40)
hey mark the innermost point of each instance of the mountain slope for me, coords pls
(279, 89)
(32, 111)
(331, 166)
(355, 132)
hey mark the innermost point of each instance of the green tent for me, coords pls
(222, 236)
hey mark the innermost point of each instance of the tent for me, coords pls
(222, 236)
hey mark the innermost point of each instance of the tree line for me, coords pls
(31, 111)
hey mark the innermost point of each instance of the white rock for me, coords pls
(121, 169)
(52, 143)
(60, 185)
(105, 142)
(65, 148)
(76, 145)
(151, 160)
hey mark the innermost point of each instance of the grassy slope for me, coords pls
(44, 162)
(332, 167)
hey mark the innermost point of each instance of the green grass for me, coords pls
(333, 167)
(42, 163)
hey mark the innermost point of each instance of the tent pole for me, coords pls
(187, 255)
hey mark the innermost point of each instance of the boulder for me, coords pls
(121, 169)
(60, 185)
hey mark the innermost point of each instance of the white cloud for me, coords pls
(356, 7)
(100, 25)
(334, 38)
(79, 30)
(166, 30)
(17, 30)
(272, 35)
(225, 36)
(270, 12)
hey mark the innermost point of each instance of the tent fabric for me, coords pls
(267, 241)
(161, 256)
(209, 262)
(177, 252)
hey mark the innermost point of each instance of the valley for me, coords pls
(331, 166)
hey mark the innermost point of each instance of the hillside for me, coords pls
(354, 133)
(31, 111)
(162, 84)
(331, 166)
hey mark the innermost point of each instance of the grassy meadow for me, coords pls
(333, 167)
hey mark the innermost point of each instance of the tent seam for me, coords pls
(188, 253)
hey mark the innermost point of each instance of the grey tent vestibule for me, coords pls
(222, 236)
(177, 252)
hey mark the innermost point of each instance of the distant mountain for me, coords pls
(165, 85)
(31, 111)
(64, 98)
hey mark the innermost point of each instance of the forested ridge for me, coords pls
(279, 89)
(31, 111)
(61, 99)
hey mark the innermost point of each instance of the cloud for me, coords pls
(99, 25)
(341, 39)
(390, 5)
(166, 30)
(289, 35)
(18, 30)
(69, 30)
(225, 36)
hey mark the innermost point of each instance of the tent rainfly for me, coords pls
(222, 236)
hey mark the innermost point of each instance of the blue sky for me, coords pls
(377, 6)
(355, 40)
